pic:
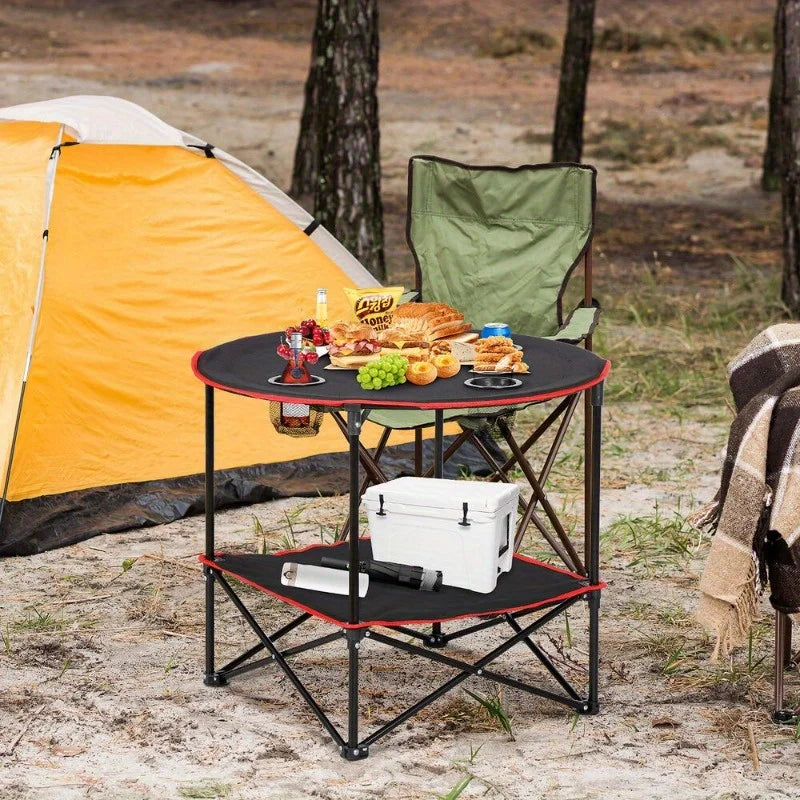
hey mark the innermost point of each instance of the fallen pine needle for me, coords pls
(164, 559)
(753, 748)
(18, 738)
(86, 599)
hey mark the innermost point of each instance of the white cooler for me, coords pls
(463, 528)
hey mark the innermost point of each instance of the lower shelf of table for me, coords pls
(530, 584)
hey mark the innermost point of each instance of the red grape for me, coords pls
(319, 337)
(283, 351)
(311, 357)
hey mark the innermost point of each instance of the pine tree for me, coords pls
(576, 59)
(340, 124)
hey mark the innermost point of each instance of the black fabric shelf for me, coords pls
(530, 584)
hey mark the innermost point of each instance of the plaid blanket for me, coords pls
(756, 514)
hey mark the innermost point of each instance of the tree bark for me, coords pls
(789, 27)
(347, 198)
(304, 172)
(576, 59)
(772, 168)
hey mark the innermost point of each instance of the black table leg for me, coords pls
(438, 450)
(593, 567)
(436, 639)
(210, 678)
(352, 751)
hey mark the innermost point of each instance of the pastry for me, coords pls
(446, 365)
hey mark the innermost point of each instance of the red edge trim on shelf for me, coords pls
(391, 623)
(367, 403)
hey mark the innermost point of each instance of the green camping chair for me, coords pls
(500, 243)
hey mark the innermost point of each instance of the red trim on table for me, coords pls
(392, 623)
(367, 403)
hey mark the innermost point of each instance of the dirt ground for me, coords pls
(101, 652)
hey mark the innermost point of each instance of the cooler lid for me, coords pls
(441, 493)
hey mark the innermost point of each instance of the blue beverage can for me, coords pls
(495, 329)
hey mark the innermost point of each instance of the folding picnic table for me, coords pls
(558, 370)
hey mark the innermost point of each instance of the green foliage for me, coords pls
(40, 622)
(205, 791)
(649, 141)
(494, 708)
(507, 41)
(699, 37)
(670, 344)
(457, 789)
(653, 543)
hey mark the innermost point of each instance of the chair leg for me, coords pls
(780, 714)
(542, 497)
(788, 661)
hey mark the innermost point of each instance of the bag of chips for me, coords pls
(375, 306)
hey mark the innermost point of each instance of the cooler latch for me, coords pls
(464, 521)
(381, 512)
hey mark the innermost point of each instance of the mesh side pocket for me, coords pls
(279, 413)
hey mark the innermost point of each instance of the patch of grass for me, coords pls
(652, 543)
(667, 343)
(457, 789)
(493, 704)
(698, 37)
(704, 37)
(508, 41)
(650, 141)
(618, 39)
(671, 654)
(676, 616)
(207, 789)
(39, 622)
(531, 136)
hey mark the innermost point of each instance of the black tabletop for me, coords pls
(244, 366)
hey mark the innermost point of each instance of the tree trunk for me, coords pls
(773, 168)
(304, 172)
(789, 28)
(347, 199)
(575, 61)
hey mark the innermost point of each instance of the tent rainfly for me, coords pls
(125, 246)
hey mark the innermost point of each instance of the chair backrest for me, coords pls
(499, 243)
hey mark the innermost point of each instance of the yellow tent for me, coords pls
(125, 246)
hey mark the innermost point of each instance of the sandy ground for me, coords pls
(101, 652)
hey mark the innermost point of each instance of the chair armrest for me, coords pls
(579, 324)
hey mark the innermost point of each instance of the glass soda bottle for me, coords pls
(321, 316)
(296, 371)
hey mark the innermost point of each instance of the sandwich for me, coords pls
(353, 345)
(405, 341)
(431, 321)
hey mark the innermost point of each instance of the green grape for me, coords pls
(373, 372)
(377, 383)
(402, 379)
(381, 373)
